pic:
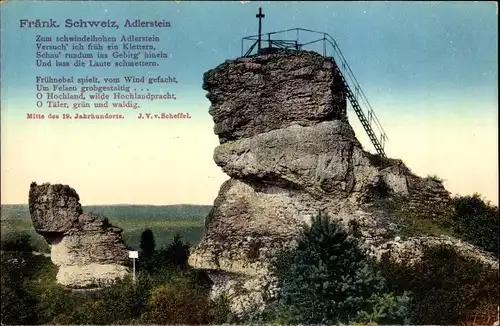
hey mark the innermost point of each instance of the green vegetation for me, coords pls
(472, 219)
(409, 221)
(328, 279)
(477, 222)
(175, 254)
(444, 285)
(17, 301)
(416, 224)
(168, 294)
(164, 221)
(147, 244)
(22, 227)
(17, 242)
(150, 212)
(435, 177)
(220, 311)
(180, 302)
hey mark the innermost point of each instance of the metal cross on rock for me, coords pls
(260, 15)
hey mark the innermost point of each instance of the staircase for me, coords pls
(332, 52)
(359, 112)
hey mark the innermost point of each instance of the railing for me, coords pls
(330, 49)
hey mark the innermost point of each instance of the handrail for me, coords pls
(357, 85)
(338, 58)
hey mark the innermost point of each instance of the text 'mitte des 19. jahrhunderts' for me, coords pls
(82, 72)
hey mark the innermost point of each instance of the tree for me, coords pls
(329, 279)
(147, 244)
(178, 252)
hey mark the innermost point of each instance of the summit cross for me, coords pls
(260, 15)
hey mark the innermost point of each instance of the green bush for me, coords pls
(119, 304)
(25, 279)
(17, 303)
(435, 178)
(477, 222)
(17, 241)
(179, 302)
(386, 308)
(328, 279)
(443, 284)
(56, 305)
(220, 311)
(30, 294)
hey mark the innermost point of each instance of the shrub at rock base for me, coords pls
(477, 222)
(178, 303)
(119, 304)
(220, 311)
(444, 284)
(172, 293)
(19, 302)
(328, 279)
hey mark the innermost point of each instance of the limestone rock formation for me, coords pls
(290, 151)
(87, 249)
(253, 96)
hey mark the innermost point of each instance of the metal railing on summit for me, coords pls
(329, 49)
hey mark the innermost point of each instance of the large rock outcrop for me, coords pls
(87, 249)
(250, 97)
(286, 143)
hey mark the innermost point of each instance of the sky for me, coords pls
(429, 70)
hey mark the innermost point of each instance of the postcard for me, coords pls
(237, 162)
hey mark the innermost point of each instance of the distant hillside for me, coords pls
(165, 221)
(124, 212)
(151, 212)
(13, 212)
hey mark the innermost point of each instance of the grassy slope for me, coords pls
(165, 221)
